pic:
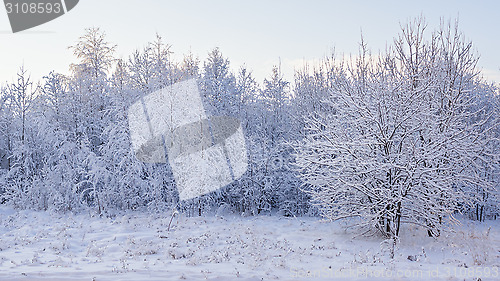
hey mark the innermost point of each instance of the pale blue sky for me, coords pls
(255, 33)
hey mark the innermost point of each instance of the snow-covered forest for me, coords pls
(406, 136)
(410, 134)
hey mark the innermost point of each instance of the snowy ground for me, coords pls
(137, 246)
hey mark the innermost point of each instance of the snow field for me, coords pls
(139, 246)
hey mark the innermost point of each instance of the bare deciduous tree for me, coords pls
(397, 144)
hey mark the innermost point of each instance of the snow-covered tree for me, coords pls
(22, 95)
(219, 85)
(485, 114)
(396, 144)
(152, 68)
(19, 103)
(190, 67)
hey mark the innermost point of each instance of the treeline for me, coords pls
(65, 143)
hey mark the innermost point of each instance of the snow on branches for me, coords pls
(397, 143)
